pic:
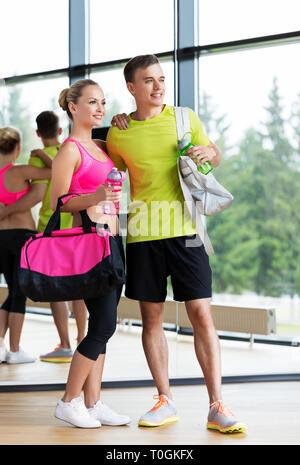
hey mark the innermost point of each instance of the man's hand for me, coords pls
(43, 156)
(200, 154)
(37, 153)
(120, 120)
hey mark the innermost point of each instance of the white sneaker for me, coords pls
(3, 354)
(107, 416)
(19, 357)
(75, 413)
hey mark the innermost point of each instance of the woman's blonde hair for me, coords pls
(9, 139)
(72, 94)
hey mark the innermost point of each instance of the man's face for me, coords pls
(148, 86)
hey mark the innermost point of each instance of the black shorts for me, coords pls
(149, 264)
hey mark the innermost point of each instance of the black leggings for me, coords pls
(11, 242)
(102, 320)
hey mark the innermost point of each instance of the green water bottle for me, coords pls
(184, 144)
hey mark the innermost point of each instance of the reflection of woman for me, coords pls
(15, 229)
(81, 167)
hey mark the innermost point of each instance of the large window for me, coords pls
(33, 36)
(224, 21)
(120, 29)
(25, 100)
(249, 103)
(247, 94)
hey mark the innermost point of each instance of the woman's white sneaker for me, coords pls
(107, 416)
(76, 413)
(19, 357)
(3, 354)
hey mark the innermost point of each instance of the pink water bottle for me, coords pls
(114, 179)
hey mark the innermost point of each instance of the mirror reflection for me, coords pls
(254, 119)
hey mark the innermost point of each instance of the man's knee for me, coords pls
(152, 315)
(199, 312)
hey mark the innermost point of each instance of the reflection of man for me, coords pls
(148, 149)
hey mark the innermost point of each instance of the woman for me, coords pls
(15, 229)
(81, 167)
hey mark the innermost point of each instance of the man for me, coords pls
(158, 226)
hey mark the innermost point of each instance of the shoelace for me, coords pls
(161, 401)
(221, 408)
(57, 347)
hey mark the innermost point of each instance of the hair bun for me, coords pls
(62, 100)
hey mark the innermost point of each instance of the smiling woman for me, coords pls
(81, 167)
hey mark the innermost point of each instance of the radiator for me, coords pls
(253, 320)
(231, 318)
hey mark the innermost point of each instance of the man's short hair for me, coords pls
(140, 61)
(47, 124)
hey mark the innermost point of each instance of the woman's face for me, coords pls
(90, 107)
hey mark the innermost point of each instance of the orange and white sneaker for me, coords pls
(222, 419)
(163, 413)
(58, 355)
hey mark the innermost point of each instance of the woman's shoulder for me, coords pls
(68, 151)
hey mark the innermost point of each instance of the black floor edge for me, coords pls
(149, 382)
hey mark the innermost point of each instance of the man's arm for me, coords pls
(25, 203)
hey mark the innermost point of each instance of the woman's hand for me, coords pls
(200, 154)
(120, 120)
(107, 193)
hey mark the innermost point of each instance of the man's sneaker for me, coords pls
(58, 355)
(3, 354)
(162, 413)
(75, 413)
(19, 357)
(223, 420)
(107, 416)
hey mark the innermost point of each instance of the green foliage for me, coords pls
(257, 240)
(18, 116)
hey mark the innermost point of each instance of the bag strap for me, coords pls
(54, 222)
(182, 117)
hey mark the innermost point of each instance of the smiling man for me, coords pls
(158, 226)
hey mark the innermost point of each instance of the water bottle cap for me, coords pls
(184, 141)
(116, 175)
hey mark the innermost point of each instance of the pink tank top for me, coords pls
(91, 173)
(6, 196)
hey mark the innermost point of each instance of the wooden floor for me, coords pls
(271, 411)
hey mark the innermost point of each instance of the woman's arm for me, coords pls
(25, 203)
(29, 173)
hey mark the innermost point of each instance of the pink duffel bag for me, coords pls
(70, 264)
